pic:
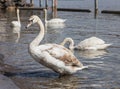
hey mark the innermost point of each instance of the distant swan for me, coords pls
(55, 21)
(54, 56)
(92, 43)
(16, 23)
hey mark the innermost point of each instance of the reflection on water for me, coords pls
(45, 81)
(1, 58)
(6, 83)
(9, 34)
(90, 54)
(17, 31)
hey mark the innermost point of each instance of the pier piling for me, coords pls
(95, 8)
(54, 8)
(32, 2)
(40, 3)
(46, 4)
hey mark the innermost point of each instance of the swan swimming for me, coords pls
(55, 22)
(16, 23)
(92, 43)
(54, 56)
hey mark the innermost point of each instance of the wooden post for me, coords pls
(32, 2)
(95, 8)
(54, 8)
(40, 3)
(46, 4)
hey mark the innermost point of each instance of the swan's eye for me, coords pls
(30, 20)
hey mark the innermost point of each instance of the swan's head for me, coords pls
(32, 20)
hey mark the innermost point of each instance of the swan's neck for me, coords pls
(18, 16)
(40, 36)
(45, 13)
(71, 46)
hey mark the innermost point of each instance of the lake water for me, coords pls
(84, 4)
(104, 70)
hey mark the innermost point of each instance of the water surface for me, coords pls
(104, 70)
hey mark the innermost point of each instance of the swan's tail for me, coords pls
(83, 67)
(108, 45)
(64, 20)
(105, 46)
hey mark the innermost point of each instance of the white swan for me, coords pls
(54, 56)
(92, 43)
(55, 22)
(16, 23)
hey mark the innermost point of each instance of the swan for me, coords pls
(54, 22)
(54, 56)
(16, 23)
(92, 43)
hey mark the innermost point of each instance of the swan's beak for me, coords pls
(30, 22)
(28, 25)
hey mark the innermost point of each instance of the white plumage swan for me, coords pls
(54, 56)
(16, 23)
(92, 43)
(54, 21)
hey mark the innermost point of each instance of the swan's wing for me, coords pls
(102, 46)
(60, 20)
(61, 53)
(56, 20)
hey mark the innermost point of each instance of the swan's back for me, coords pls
(60, 53)
(56, 21)
(92, 43)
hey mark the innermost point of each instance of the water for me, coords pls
(103, 71)
(84, 4)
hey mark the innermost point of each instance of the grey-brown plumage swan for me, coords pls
(54, 56)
